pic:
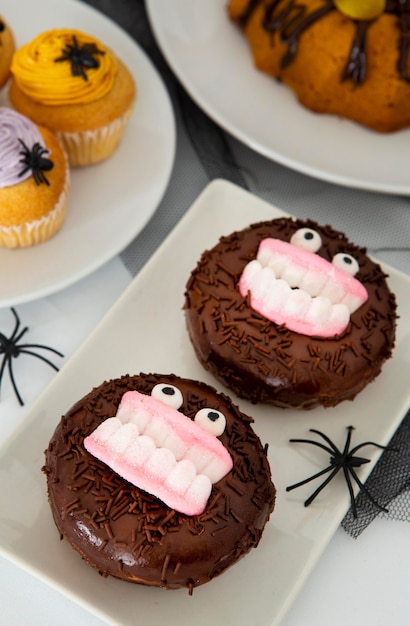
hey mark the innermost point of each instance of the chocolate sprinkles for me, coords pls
(126, 527)
(265, 362)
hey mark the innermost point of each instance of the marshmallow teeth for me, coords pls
(301, 290)
(161, 451)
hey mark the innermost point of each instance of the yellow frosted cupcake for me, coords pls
(75, 86)
(6, 51)
(34, 181)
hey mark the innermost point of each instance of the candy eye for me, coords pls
(346, 262)
(307, 238)
(168, 394)
(211, 420)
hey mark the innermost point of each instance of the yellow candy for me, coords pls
(361, 9)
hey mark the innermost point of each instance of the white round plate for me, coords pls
(109, 202)
(211, 58)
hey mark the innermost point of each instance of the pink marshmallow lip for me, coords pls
(299, 289)
(160, 450)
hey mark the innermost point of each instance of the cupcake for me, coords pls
(34, 181)
(72, 84)
(6, 51)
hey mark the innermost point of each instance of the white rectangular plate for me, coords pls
(145, 332)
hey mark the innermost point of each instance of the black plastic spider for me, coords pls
(344, 460)
(81, 57)
(35, 161)
(10, 349)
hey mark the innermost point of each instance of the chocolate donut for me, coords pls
(316, 334)
(125, 531)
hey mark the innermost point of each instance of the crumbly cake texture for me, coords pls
(354, 68)
(266, 362)
(125, 532)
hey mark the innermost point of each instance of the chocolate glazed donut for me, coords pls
(126, 532)
(268, 362)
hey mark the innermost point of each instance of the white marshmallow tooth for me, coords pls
(334, 291)
(106, 430)
(199, 490)
(339, 317)
(139, 451)
(160, 464)
(250, 273)
(278, 264)
(140, 417)
(126, 408)
(313, 283)
(199, 456)
(319, 311)
(276, 296)
(125, 414)
(129, 408)
(297, 303)
(156, 430)
(262, 284)
(175, 444)
(215, 470)
(122, 438)
(181, 476)
(263, 256)
(352, 302)
(293, 274)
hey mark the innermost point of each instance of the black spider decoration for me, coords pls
(81, 57)
(35, 161)
(10, 349)
(340, 460)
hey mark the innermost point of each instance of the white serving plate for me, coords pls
(145, 332)
(109, 202)
(212, 60)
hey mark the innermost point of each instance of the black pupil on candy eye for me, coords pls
(213, 416)
(347, 260)
(308, 235)
(169, 391)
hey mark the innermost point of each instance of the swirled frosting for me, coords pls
(44, 76)
(14, 126)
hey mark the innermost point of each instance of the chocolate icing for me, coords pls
(290, 19)
(263, 362)
(127, 533)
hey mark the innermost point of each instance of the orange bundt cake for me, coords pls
(342, 57)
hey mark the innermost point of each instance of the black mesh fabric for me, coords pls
(389, 484)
